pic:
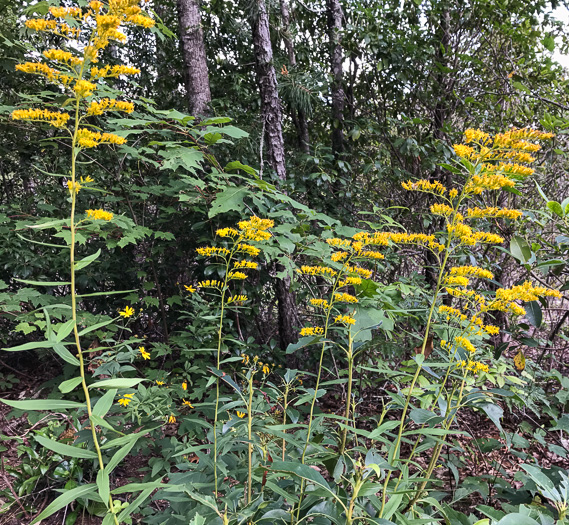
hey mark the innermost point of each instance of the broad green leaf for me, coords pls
(69, 385)
(95, 327)
(119, 442)
(544, 484)
(142, 497)
(105, 403)
(42, 404)
(104, 486)
(230, 199)
(517, 519)
(30, 346)
(520, 249)
(65, 499)
(135, 487)
(99, 421)
(181, 156)
(533, 313)
(79, 265)
(64, 330)
(556, 208)
(236, 165)
(65, 354)
(120, 382)
(65, 450)
(44, 283)
(119, 455)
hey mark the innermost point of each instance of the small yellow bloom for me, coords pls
(345, 319)
(159, 383)
(188, 404)
(125, 400)
(145, 355)
(311, 330)
(266, 369)
(84, 88)
(190, 288)
(99, 215)
(127, 312)
(241, 414)
(185, 385)
(172, 419)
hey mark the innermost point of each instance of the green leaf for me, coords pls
(104, 486)
(520, 249)
(236, 165)
(517, 519)
(65, 354)
(64, 330)
(230, 199)
(545, 485)
(87, 260)
(181, 156)
(519, 86)
(99, 421)
(534, 313)
(142, 497)
(105, 403)
(42, 404)
(119, 455)
(42, 283)
(95, 327)
(120, 382)
(69, 385)
(65, 450)
(30, 346)
(549, 43)
(556, 208)
(65, 499)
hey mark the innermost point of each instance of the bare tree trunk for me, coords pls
(298, 117)
(193, 54)
(267, 80)
(335, 22)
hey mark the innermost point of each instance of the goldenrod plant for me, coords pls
(76, 71)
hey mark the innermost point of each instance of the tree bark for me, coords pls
(267, 80)
(335, 23)
(194, 57)
(298, 116)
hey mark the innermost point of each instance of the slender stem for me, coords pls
(285, 406)
(250, 437)
(349, 394)
(72, 225)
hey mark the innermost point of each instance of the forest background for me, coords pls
(310, 114)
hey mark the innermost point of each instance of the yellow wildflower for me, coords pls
(109, 104)
(318, 270)
(188, 404)
(266, 370)
(236, 275)
(58, 55)
(334, 241)
(425, 186)
(465, 343)
(320, 303)
(345, 319)
(172, 419)
(311, 330)
(339, 256)
(473, 271)
(210, 284)
(189, 288)
(248, 249)
(250, 265)
(53, 118)
(240, 415)
(227, 232)
(84, 88)
(159, 383)
(466, 152)
(476, 135)
(99, 215)
(209, 251)
(237, 299)
(74, 187)
(363, 272)
(125, 400)
(112, 71)
(345, 298)
(127, 312)
(505, 213)
(62, 12)
(185, 385)
(441, 209)
(370, 254)
(145, 355)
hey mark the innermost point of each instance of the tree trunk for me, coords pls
(194, 57)
(267, 80)
(298, 116)
(289, 322)
(335, 21)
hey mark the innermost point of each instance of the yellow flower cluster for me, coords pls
(507, 139)
(58, 55)
(325, 271)
(345, 319)
(52, 26)
(465, 152)
(91, 139)
(227, 232)
(38, 68)
(370, 254)
(345, 298)
(237, 299)
(452, 312)
(248, 249)
(255, 229)
(466, 236)
(320, 303)
(210, 251)
(503, 213)
(338, 242)
(476, 135)
(425, 186)
(109, 104)
(488, 181)
(456, 280)
(471, 271)
(74, 187)
(53, 118)
(62, 12)
(311, 330)
(416, 238)
(339, 256)
(464, 343)
(509, 169)
(442, 209)
(112, 71)
(210, 284)
(84, 88)
(362, 272)
(473, 366)
(249, 265)
(525, 292)
(101, 215)
(125, 400)
(236, 276)
(375, 239)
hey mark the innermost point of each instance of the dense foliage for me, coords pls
(331, 292)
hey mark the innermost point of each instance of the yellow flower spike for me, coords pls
(338, 243)
(248, 249)
(425, 186)
(86, 180)
(370, 254)
(502, 213)
(237, 299)
(108, 104)
(472, 271)
(324, 271)
(127, 312)
(102, 215)
(320, 303)
(211, 251)
(227, 232)
(145, 355)
(339, 256)
(465, 343)
(476, 135)
(465, 152)
(210, 284)
(66, 57)
(250, 265)
(311, 330)
(345, 298)
(236, 276)
(91, 139)
(53, 118)
(84, 88)
(112, 71)
(345, 319)
(62, 12)
(442, 209)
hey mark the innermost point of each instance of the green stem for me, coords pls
(349, 395)
(250, 437)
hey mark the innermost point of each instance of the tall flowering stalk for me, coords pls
(86, 32)
(233, 261)
(485, 163)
